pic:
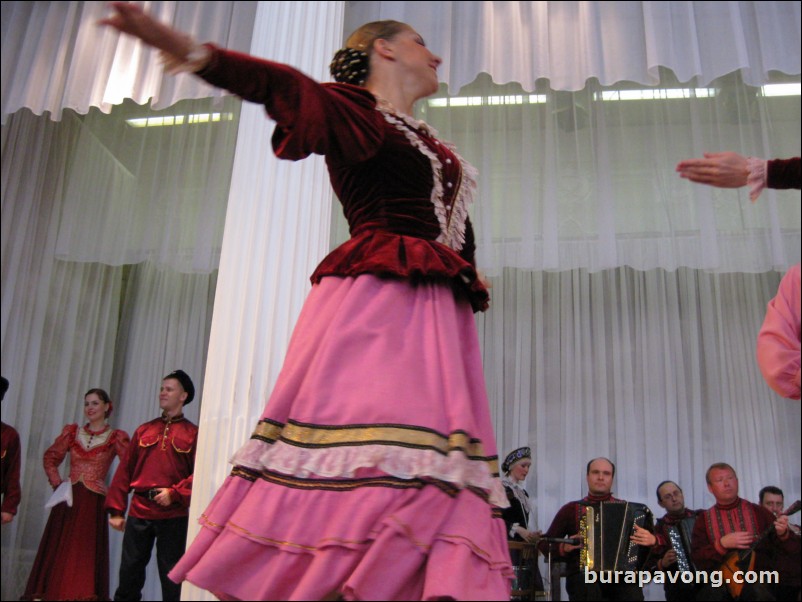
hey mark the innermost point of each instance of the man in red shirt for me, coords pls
(158, 468)
(736, 524)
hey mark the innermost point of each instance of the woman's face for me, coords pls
(412, 55)
(519, 470)
(94, 407)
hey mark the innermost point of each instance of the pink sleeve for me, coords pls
(778, 343)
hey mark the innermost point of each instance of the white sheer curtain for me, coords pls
(654, 369)
(74, 317)
(150, 193)
(586, 179)
(570, 42)
(56, 57)
(574, 185)
(111, 230)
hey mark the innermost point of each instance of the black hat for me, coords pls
(185, 381)
(514, 456)
(3, 386)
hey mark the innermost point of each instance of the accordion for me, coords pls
(605, 529)
(679, 536)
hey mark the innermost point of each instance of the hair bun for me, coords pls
(350, 66)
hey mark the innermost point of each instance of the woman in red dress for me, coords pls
(73, 558)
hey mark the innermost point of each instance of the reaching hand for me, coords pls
(130, 19)
(723, 170)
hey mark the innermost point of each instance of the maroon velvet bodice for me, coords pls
(404, 192)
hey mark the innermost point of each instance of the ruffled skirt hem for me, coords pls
(378, 540)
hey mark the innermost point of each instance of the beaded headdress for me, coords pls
(514, 456)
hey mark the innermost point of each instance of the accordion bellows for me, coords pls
(606, 529)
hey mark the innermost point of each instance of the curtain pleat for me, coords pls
(277, 230)
(586, 179)
(571, 42)
(654, 369)
(56, 57)
(625, 302)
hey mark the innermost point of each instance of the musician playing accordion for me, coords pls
(613, 535)
(672, 552)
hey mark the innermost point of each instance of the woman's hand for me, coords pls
(723, 170)
(130, 19)
(529, 536)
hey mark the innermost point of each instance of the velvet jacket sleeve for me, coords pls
(11, 469)
(56, 453)
(784, 173)
(778, 342)
(468, 252)
(310, 117)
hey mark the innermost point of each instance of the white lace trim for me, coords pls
(452, 231)
(405, 463)
(89, 441)
(520, 495)
(464, 197)
(756, 179)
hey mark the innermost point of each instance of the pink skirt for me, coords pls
(373, 471)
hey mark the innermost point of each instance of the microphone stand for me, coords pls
(552, 541)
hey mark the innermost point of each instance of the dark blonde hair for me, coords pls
(363, 38)
(351, 64)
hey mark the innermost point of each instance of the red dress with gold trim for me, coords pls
(72, 562)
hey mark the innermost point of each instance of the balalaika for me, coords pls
(679, 535)
(605, 529)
